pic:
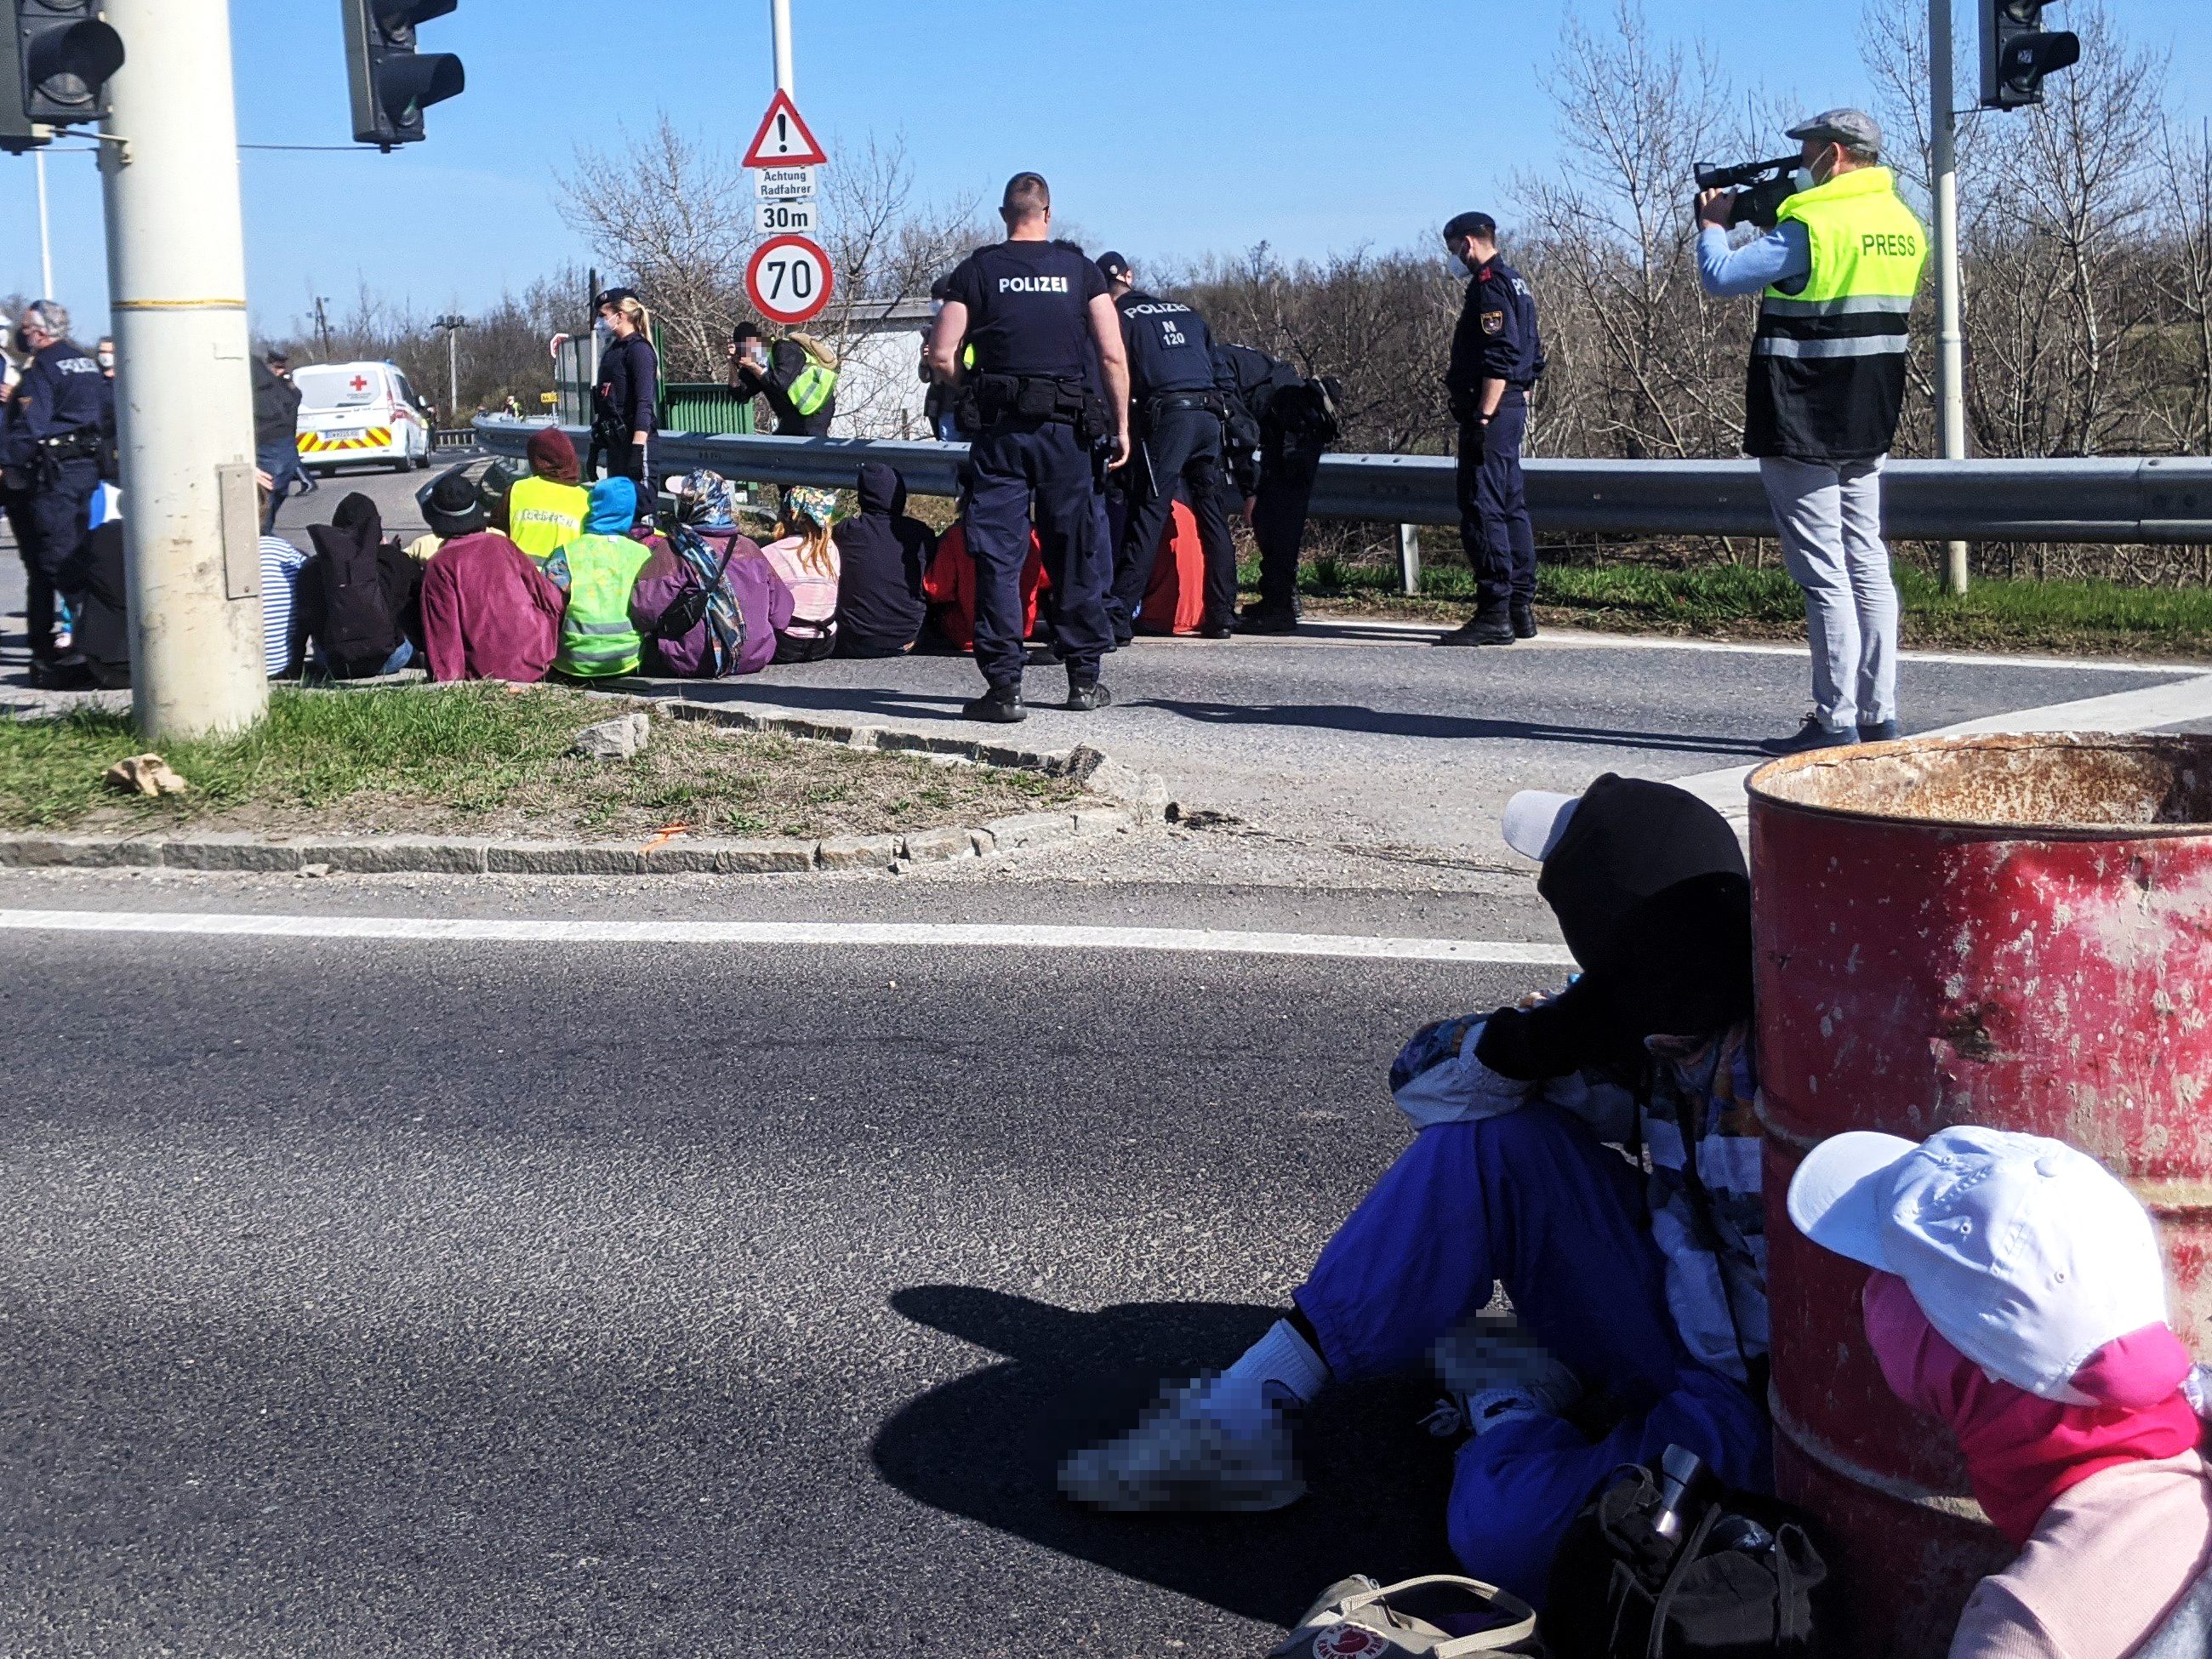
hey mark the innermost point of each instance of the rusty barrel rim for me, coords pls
(1763, 783)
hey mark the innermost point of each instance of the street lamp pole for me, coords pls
(1950, 336)
(452, 325)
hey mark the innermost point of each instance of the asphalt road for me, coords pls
(364, 1298)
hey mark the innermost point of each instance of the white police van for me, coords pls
(360, 415)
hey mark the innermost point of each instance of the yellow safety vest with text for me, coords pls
(543, 514)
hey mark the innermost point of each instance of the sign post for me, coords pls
(788, 279)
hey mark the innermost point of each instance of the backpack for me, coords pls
(358, 631)
(1356, 1617)
(705, 597)
(1729, 1576)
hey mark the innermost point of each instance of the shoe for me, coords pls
(1879, 731)
(1215, 631)
(1002, 704)
(1255, 620)
(1490, 625)
(1084, 697)
(1810, 736)
(1179, 1457)
(1522, 616)
(1494, 1371)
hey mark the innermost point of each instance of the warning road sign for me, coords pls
(788, 279)
(783, 184)
(783, 140)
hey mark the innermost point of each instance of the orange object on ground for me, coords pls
(949, 585)
(1175, 600)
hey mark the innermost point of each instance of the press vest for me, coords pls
(597, 636)
(811, 388)
(543, 514)
(1827, 363)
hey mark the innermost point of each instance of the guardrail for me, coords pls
(2161, 499)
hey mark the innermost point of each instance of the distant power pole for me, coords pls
(176, 269)
(452, 325)
(323, 326)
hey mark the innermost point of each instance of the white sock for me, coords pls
(1281, 1364)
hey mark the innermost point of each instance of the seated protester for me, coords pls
(714, 645)
(355, 594)
(101, 638)
(804, 555)
(764, 598)
(882, 554)
(1507, 1179)
(488, 611)
(798, 375)
(281, 642)
(2019, 1297)
(949, 587)
(597, 571)
(546, 510)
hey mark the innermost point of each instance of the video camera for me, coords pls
(1764, 187)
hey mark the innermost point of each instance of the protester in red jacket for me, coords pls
(488, 612)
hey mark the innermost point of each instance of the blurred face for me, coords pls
(105, 355)
(33, 335)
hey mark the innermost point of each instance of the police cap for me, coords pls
(1116, 269)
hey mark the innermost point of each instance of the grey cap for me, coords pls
(1854, 127)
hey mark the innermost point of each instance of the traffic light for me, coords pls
(55, 62)
(2016, 52)
(392, 82)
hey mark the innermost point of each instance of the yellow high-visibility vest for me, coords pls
(543, 515)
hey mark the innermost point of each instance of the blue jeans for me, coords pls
(1531, 1199)
(282, 465)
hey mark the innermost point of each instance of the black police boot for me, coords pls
(1256, 621)
(1085, 696)
(1523, 617)
(1002, 704)
(1215, 630)
(1492, 624)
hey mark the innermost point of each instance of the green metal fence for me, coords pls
(704, 408)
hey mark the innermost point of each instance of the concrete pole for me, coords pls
(453, 373)
(1950, 336)
(45, 233)
(176, 270)
(779, 22)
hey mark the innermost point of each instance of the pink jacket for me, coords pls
(488, 612)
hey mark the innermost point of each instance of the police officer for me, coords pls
(1836, 276)
(1176, 415)
(51, 459)
(1046, 337)
(1495, 356)
(1278, 422)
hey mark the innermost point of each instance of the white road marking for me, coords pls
(2144, 709)
(965, 935)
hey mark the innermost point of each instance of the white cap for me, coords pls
(1535, 819)
(2027, 1255)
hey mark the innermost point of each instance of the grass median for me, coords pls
(1740, 602)
(487, 759)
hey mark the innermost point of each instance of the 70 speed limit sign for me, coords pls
(788, 279)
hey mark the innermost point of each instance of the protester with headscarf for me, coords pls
(1649, 1291)
(2019, 1297)
(598, 571)
(882, 554)
(805, 556)
(488, 612)
(546, 510)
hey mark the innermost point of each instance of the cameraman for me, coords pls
(1837, 274)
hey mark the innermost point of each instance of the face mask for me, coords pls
(107, 360)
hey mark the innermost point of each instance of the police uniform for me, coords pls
(1033, 403)
(51, 454)
(1496, 340)
(1279, 422)
(1179, 413)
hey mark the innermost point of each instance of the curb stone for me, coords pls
(1127, 798)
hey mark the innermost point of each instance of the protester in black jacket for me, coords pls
(758, 369)
(356, 600)
(625, 403)
(882, 554)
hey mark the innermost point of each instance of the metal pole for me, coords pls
(453, 373)
(45, 233)
(779, 22)
(1950, 338)
(176, 270)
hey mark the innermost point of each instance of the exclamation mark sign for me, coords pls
(783, 135)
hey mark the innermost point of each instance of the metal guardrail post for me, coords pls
(1409, 557)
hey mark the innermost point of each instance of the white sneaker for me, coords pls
(1494, 1371)
(1180, 1457)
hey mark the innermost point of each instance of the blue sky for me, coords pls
(1170, 128)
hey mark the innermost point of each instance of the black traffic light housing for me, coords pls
(2017, 52)
(56, 59)
(393, 82)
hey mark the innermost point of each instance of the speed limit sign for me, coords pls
(788, 279)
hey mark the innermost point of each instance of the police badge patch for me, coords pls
(1493, 322)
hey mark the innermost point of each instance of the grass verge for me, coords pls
(1738, 602)
(486, 759)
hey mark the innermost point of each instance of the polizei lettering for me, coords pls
(1158, 308)
(1032, 284)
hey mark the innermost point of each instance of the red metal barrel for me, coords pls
(2011, 931)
